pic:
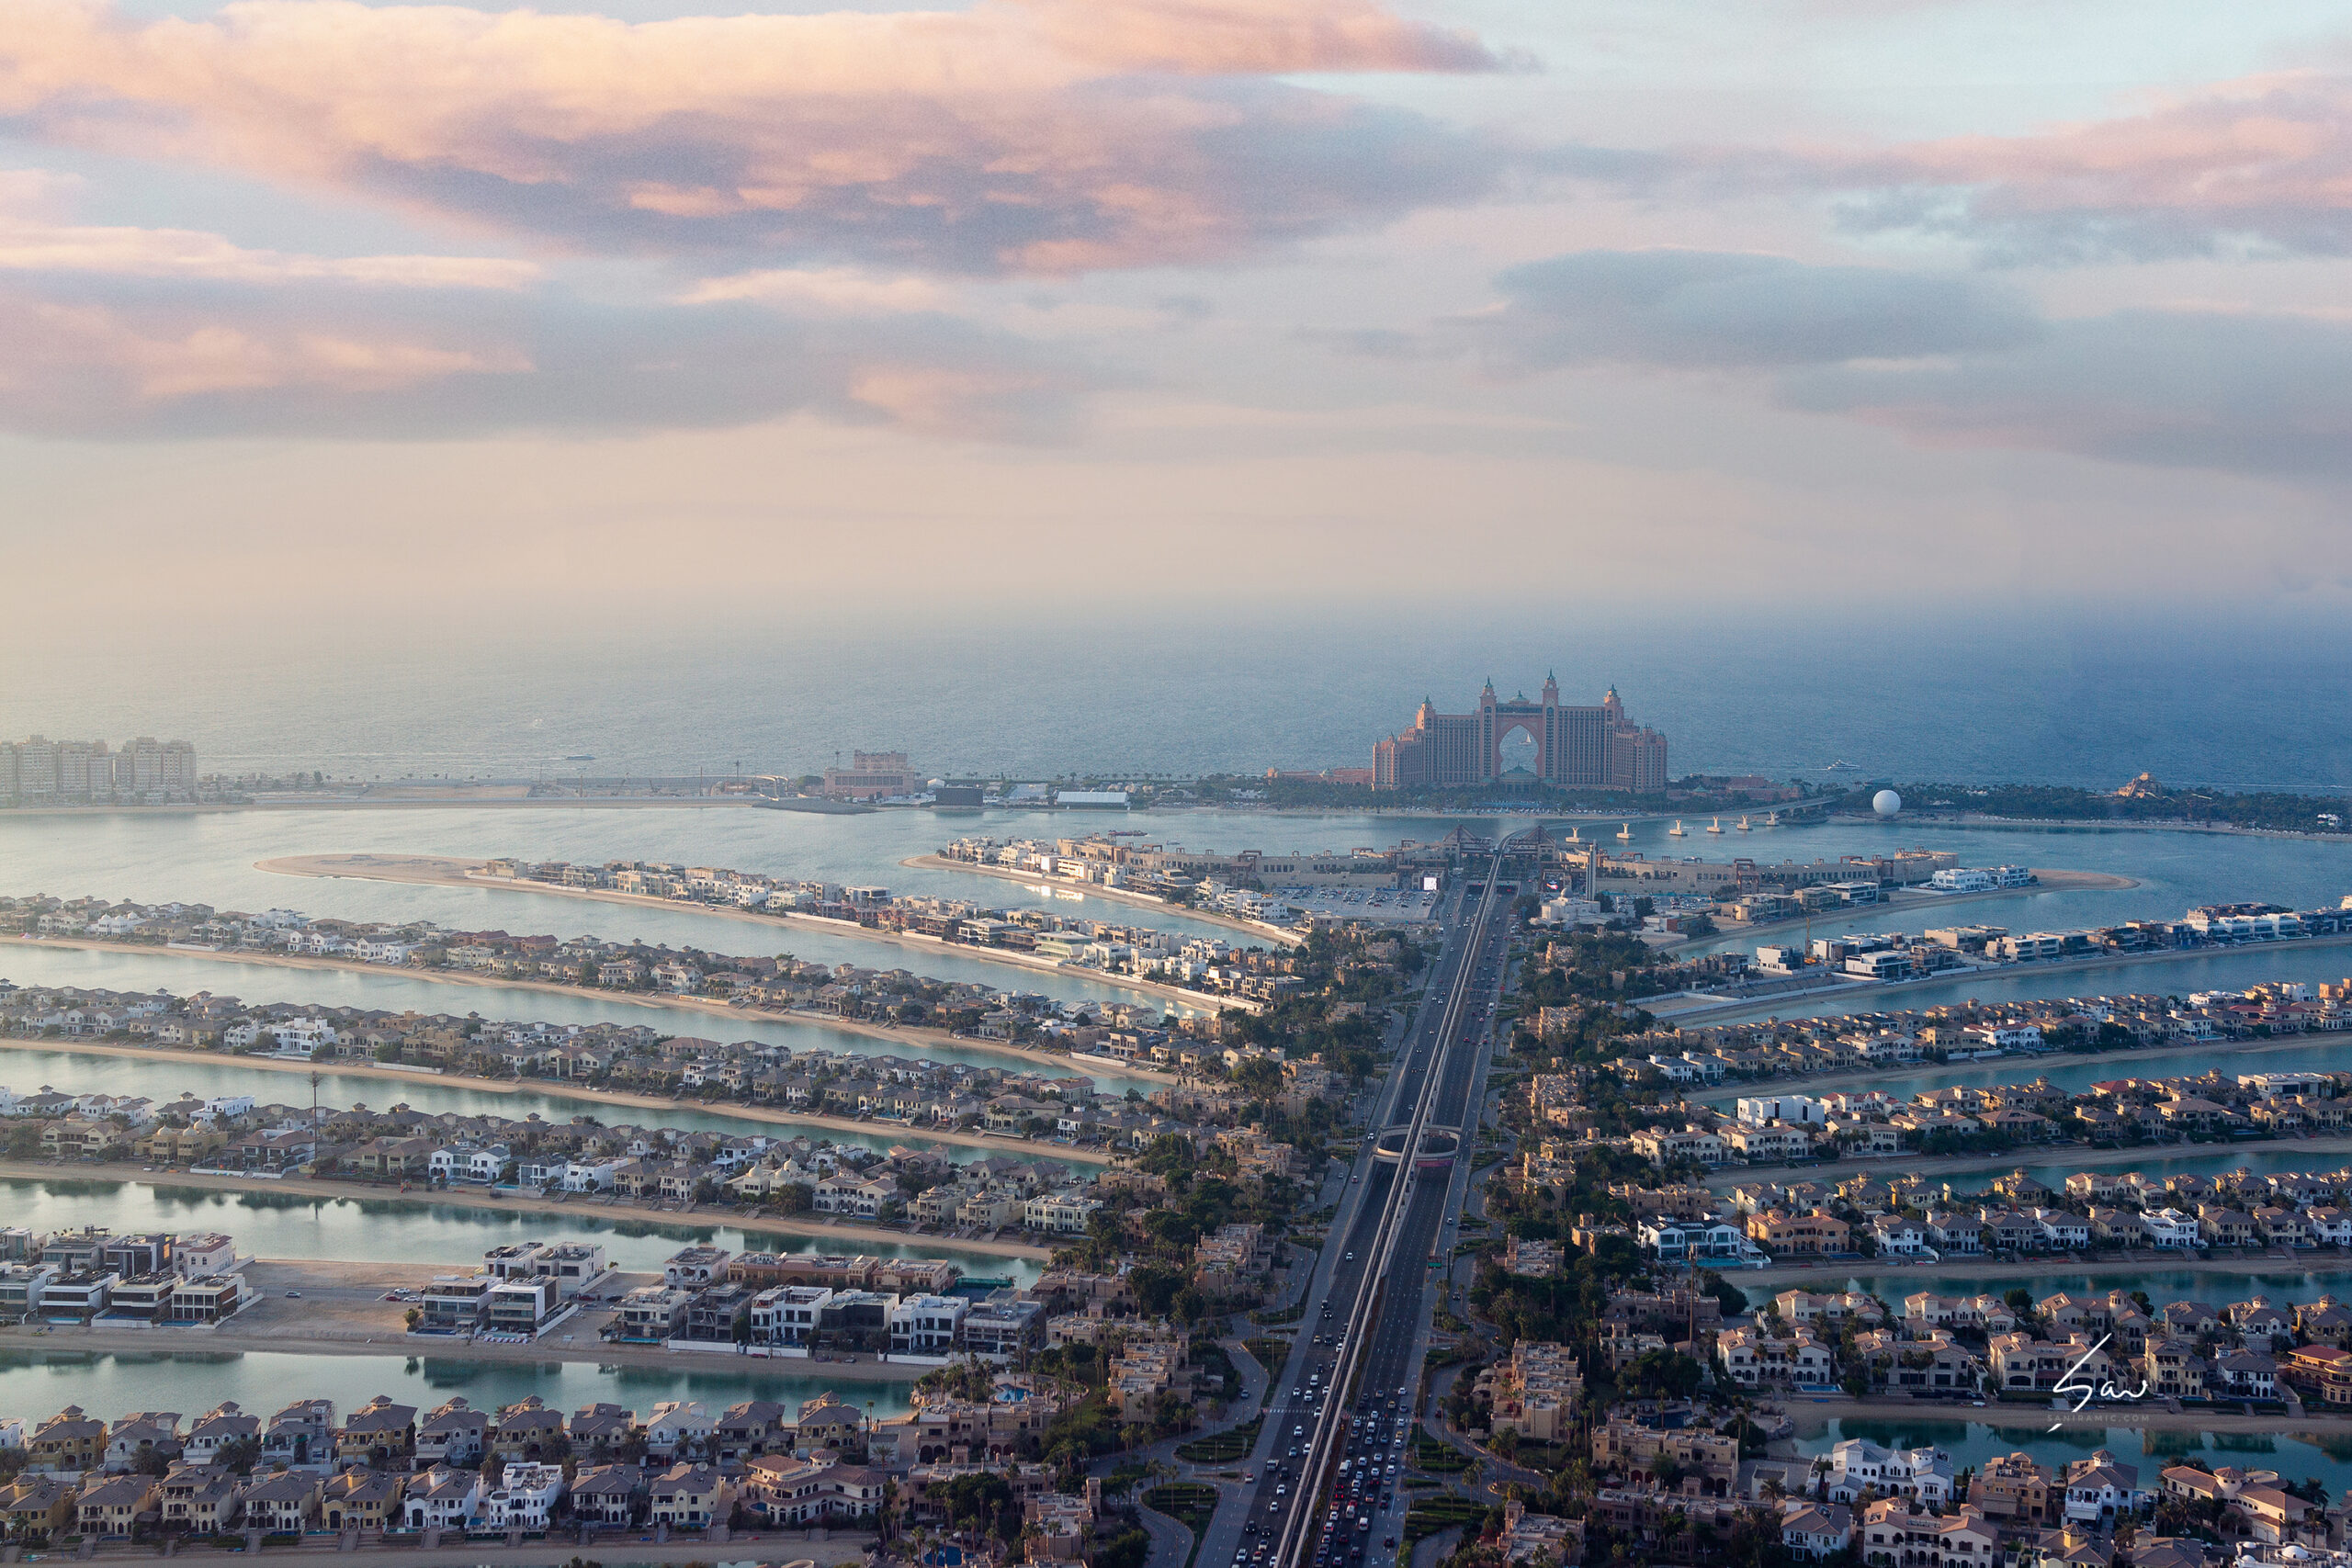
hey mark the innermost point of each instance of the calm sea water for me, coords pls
(37, 1383)
(370, 1230)
(2070, 695)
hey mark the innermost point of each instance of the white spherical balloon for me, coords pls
(1886, 803)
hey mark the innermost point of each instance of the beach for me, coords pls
(1668, 1012)
(452, 871)
(1095, 890)
(907, 1035)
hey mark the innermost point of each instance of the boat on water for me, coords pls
(1744, 826)
(1717, 826)
(584, 757)
(1625, 833)
(1771, 819)
(1840, 766)
(1572, 837)
(1675, 831)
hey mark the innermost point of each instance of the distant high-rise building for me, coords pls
(1573, 748)
(40, 771)
(176, 767)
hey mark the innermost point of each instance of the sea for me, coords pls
(1106, 681)
(1904, 689)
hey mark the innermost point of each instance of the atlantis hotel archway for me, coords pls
(1575, 748)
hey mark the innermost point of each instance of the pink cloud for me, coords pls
(98, 354)
(30, 245)
(1249, 37)
(1039, 135)
(2265, 159)
(73, 363)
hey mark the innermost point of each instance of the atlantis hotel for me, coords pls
(1523, 741)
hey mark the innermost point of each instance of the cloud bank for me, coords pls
(2261, 162)
(1947, 360)
(1021, 136)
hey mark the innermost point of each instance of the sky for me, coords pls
(316, 310)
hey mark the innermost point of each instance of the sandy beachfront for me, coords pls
(908, 1037)
(447, 870)
(1798, 1001)
(1912, 900)
(1111, 895)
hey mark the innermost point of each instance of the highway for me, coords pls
(1310, 1433)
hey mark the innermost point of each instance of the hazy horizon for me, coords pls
(2026, 697)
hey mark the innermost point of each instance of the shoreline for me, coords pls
(556, 1088)
(2146, 1261)
(918, 1033)
(1805, 812)
(65, 1339)
(447, 871)
(2052, 880)
(1094, 890)
(2035, 966)
(1831, 1083)
(1913, 1163)
(482, 1197)
(2095, 824)
(427, 802)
